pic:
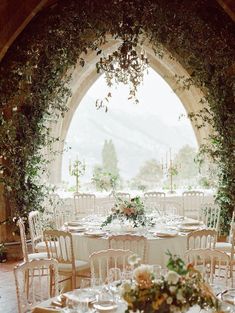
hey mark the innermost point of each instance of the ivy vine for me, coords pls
(35, 76)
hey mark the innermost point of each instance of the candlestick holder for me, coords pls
(171, 170)
(77, 169)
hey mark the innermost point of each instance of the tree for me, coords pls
(104, 180)
(106, 176)
(185, 161)
(109, 158)
(149, 174)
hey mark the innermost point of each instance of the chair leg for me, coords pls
(73, 281)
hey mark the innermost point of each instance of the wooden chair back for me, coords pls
(35, 228)
(35, 281)
(135, 243)
(103, 260)
(205, 238)
(214, 265)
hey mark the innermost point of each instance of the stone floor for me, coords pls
(8, 302)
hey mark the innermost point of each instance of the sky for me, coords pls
(156, 99)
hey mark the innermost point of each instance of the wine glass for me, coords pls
(105, 300)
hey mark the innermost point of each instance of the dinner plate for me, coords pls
(165, 234)
(96, 233)
(188, 228)
(86, 296)
(76, 229)
(105, 306)
(74, 223)
(190, 222)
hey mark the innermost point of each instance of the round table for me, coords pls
(155, 252)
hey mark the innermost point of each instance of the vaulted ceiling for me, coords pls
(15, 15)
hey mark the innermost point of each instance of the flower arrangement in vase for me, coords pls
(181, 288)
(129, 210)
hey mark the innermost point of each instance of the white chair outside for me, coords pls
(103, 260)
(104, 206)
(84, 203)
(154, 194)
(135, 243)
(205, 238)
(63, 213)
(60, 247)
(155, 201)
(36, 232)
(227, 246)
(35, 281)
(28, 256)
(192, 202)
(214, 265)
(172, 207)
(121, 195)
(210, 215)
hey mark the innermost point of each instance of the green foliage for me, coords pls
(2, 248)
(109, 158)
(104, 180)
(132, 211)
(35, 73)
(186, 159)
(149, 175)
(176, 264)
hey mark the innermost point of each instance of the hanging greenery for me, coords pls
(35, 75)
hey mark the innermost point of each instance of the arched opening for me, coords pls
(84, 78)
(141, 134)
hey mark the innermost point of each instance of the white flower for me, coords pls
(125, 287)
(172, 289)
(172, 278)
(134, 259)
(143, 275)
(169, 300)
(180, 296)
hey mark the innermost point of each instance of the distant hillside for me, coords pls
(137, 137)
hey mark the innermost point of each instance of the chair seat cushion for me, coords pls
(223, 246)
(79, 264)
(41, 246)
(35, 256)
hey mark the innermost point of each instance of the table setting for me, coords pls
(149, 289)
(163, 231)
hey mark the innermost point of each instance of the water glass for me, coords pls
(105, 300)
(85, 283)
(157, 270)
(89, 283)
(114, 275)
(127, 275)
(229, 296)
(163, 272)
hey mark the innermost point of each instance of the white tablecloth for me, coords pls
(156, 247)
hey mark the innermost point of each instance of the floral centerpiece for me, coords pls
(129, 210)
(181, 288)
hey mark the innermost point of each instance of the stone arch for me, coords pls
(84, 78)
(33, 69)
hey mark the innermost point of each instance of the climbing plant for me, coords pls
(36, 71)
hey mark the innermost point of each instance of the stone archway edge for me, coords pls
(33, 72)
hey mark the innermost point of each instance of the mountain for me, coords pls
(137, 136)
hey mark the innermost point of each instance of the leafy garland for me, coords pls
(34, 80)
